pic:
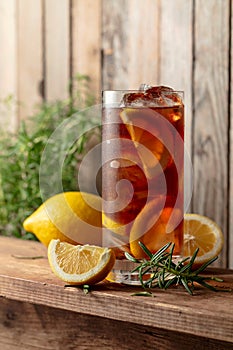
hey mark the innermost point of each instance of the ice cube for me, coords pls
(155, 96)
(135, 99)
(144, 87)
(157, 91)
(164, 95)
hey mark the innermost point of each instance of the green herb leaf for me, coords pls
(143, 294)
(163, 272)
(131, 258)
(144, 248)
(86, 288)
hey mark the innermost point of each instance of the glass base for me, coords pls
(121, 273)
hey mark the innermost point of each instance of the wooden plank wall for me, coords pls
(210, 124)
(8, 69)
(186, 44)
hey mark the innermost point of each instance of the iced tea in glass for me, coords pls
(142, 173)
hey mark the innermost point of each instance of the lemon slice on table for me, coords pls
(203, 233)
(79, 264)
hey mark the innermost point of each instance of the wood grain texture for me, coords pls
(8, 62)
(143, 43)
(29, 63)
(230, 218)
(153, 41)
(211, 112)
(176, 60)
(86, 42)
(130, 43)
(57, 49)
(25, 326)
(207, 314)
(115, 45)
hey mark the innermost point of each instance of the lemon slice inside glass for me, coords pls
(143, 127)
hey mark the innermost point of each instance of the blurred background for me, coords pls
(54, 51)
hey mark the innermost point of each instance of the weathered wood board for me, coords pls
(26, 326)
(57, 49)
(210, 125)
(29, 56)
(42, 308)
(120, 44)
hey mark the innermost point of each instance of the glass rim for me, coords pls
(106, 93)
(115, 96)
(137, 90)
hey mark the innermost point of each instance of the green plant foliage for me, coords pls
(20, 156)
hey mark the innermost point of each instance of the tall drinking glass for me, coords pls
(142, 174)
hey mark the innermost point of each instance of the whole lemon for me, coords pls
(73, 217)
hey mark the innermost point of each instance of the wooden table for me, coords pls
(38, 312)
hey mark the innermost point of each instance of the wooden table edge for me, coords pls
(116, 304)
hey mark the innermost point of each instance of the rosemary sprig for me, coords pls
(86, 288)
(164, 272)
(28, 257)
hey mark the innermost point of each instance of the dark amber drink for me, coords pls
(143, 170)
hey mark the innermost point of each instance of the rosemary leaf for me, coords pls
(145, 271)
(163, 272)
(143, 294)
(131, 258)
(186, 268)
(140, 276)
(163, 277)
(193, 258)
(160, 284)
(136, 268)
(170, 282)
(204, 266)
(207, 285)
(186, 286)
(216, 279)
(29, 257)
(145, 249)
(160, 251)
(86, 288)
